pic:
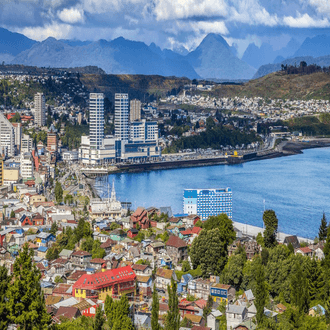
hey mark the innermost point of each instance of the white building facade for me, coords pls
(7, 137)
(39, 109)
(121, 116)
(96, 120)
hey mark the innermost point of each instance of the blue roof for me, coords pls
(320, 308)
(42, 248)
(180, 215)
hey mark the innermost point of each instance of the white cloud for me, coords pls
(305, 21)
(251, 12)
(322, 6)
(58, 31)
(182, 9)
(71, 15)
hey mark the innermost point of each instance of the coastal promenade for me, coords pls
(254, 231)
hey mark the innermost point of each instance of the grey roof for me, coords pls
(249, 295)
(67, 302)
(44, 235)
(216, 313)
(58, 217)
(252, 309)
(65, 253)
(235, 309)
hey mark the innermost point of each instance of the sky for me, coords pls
(169, 23)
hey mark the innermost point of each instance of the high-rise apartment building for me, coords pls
(135, 110)
(96, 120)
(39, 109)
(18, 134)
(27, 144)
(208, 202)
(144, 131)
(26, 165)
(121, 116)
(7, 137)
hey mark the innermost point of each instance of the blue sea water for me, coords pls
(295, 187)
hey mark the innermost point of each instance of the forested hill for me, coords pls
(143, 87)
(280, 85)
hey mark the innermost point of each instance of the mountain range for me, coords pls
(212, 59)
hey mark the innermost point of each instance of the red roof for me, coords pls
(139, 267)
(76, 275)
(176, 242)
(305, 250)
(67, 312)
(108, 243)
(104, 279)
(201, 303)
(196, 230)
(97, 261)
(81, 253)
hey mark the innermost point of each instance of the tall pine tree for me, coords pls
(299, 288)
(99, 319)
(261, 292)
(26, 304)
(271, 225)
(4, 282)
(172, 320)
(323, 228)
(155, 310)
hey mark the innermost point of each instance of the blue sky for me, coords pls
(169, 23)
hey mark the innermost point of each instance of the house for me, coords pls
(44, 239)
(81, 258)
(118, 235)
(251, 249)
(65, 254)
(235, 315)
(75, 276)
(66, 313)
(144, 286)
(183, 284)
(142, 321)
(87, 307)
(140, 219)
(132, 232)
(248, 296)
(25, 221)
(220, 292)
(197, 320)
(42, 251)
(60, 266)
(292, 240)
(213, 319)
(186, 307)
(177, 249)
(114, 282)
(38, 220)
(305, 251)
(142, 270)
(154, 247)
(199, 288)
(107, 246)
(98, 263)
(63, 290)
(163, 278)
(317, 310)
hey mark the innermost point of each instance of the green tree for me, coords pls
(323, 228)
(172, 320)
(186, 266)
(26, 304)
(54, 228)
(99, 319)
(299, 288)
(199, 224)
(58, 192)
(4, 283)
(316, 280)
(155, 310)
(208, 251)
(12, 214)
(271, 225)
(261, 292)
(233, 272)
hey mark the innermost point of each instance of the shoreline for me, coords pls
(285, 148)
(251, 230)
